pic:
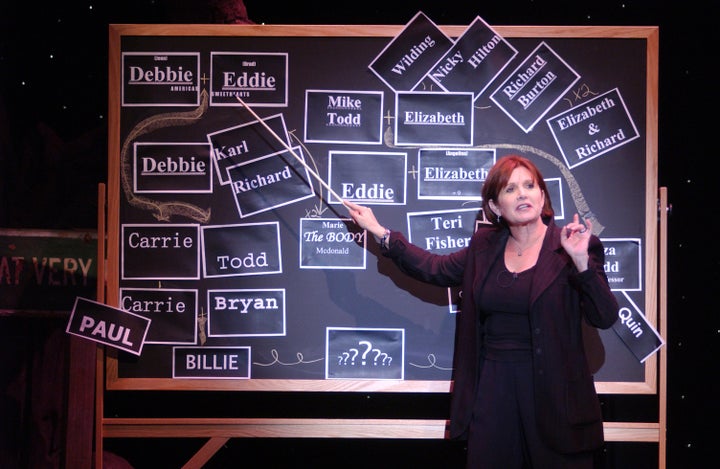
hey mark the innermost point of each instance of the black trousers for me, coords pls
(503, 432)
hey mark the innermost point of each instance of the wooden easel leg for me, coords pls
(206, 452)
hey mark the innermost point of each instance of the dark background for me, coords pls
(53, 154)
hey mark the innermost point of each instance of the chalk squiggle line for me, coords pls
(276, 355)
(163, 210)
(580, 203)
(432, 360)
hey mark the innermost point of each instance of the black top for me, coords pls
(505, 304)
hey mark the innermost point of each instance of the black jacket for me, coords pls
(567, 407)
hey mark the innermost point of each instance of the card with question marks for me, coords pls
(357, 353)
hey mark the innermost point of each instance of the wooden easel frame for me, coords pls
(219, 431)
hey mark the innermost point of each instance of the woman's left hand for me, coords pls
(575, 239)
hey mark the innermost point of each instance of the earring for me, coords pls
(499, 219)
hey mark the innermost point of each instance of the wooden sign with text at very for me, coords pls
(44, 271)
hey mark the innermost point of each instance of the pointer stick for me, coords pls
(287, 147)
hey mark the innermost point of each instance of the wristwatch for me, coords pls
(385, 238)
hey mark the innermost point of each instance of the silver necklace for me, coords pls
(520, 251)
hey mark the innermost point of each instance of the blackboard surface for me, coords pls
(260, 261)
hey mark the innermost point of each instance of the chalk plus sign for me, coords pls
(389, 117)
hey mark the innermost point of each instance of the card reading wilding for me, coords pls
(404, 61)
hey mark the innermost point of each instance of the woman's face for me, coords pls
(521, 200)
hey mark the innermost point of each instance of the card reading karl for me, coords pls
(246, 142)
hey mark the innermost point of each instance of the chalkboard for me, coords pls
(221, 232)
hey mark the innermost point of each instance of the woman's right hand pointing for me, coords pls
(365, 218)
